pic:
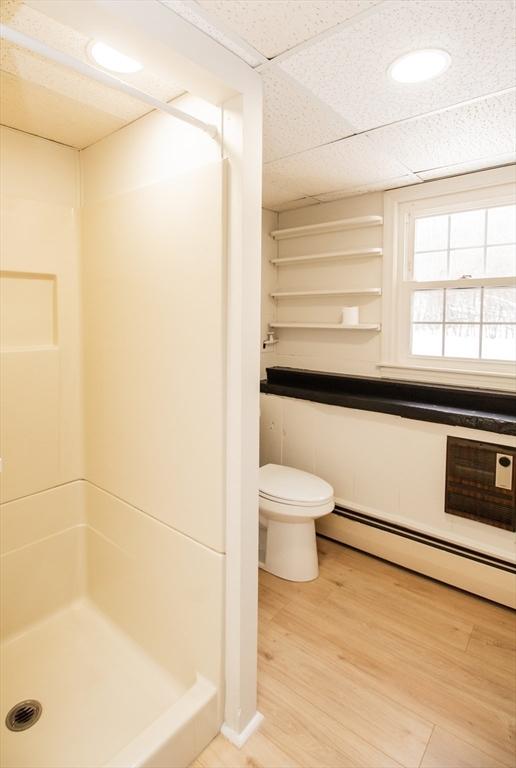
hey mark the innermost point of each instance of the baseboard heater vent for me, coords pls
(480, 482)
(423, 538)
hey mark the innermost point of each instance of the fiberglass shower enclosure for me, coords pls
(129, 412)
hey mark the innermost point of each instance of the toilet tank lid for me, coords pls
(291, 484)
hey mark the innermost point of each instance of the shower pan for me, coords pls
(87, 587)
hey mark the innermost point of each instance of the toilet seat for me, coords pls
(291, 503)
(289, 486)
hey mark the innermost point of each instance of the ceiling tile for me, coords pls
(30, 107)
(348, 69)
(45, 98)
(402, 181)
(477, 165)
(350, 163)
(485, 128)
(274, 26)
(303, 202)
(277, 190)
(295, 120)
(41, 71)
(197, 16)
(31, 67)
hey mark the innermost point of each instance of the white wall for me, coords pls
(353, 352)
(40, 417)
(384, 465)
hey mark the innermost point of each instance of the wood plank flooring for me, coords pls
(375, 667)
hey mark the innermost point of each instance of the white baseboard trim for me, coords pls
(239, 739)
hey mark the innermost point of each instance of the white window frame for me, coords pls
(476, 190)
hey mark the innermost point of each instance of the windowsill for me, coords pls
(433, 374)
(442, 404)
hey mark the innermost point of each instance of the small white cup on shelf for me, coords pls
(350, 316)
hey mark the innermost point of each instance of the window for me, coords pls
(449, 251)
(450, 279)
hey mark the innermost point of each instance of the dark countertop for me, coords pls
(489, 410)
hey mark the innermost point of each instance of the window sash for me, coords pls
(405, 324)
(483, 189)
(408, 285)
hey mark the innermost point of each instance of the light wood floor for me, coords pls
(377, 667)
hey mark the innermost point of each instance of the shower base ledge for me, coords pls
(106, 703)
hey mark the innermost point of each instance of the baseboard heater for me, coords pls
(460, 566)
(423, 538)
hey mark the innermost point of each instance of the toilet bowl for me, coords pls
(290, 502)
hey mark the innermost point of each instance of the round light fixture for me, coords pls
(110, 58)
(417, 66)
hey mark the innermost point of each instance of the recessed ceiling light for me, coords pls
(419, 65)
(110, 58)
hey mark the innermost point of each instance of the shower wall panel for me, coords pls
(154, 363)
(40, 408)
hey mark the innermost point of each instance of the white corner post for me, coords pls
(242, 144)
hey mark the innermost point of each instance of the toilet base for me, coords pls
(291, 550)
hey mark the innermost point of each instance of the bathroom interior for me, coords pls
(257, 383)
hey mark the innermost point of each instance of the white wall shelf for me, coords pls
(363, 252)
(323, 293)
(329, 326)
(328, 226)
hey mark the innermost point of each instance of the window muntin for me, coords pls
(448, 320)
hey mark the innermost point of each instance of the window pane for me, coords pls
(462, 340)
(501, 224)
(499, 342)
(430, 266)
(427, 306)
(500, 305)
(427, 339)
(501, 260)
(469, 261)
(467, 228)
(463, 304)
(431, 233)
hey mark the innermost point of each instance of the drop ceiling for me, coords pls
(49, 100)
(335, 124)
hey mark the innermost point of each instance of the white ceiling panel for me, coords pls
(303, 202)
(348, 69)
(31, 22)
(477, 165)
(274, 26)
(32, 108)
(192, 12)
(484, 128)
(65, 82)
(402, 181)
(350, 163)
(293, 119)
(44, 98)
(277, 190)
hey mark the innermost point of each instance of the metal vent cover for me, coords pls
(23, 715)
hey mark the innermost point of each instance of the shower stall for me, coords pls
(128, 436)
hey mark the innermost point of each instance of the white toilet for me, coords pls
(290, 502)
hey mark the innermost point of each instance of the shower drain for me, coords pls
(23, 715)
